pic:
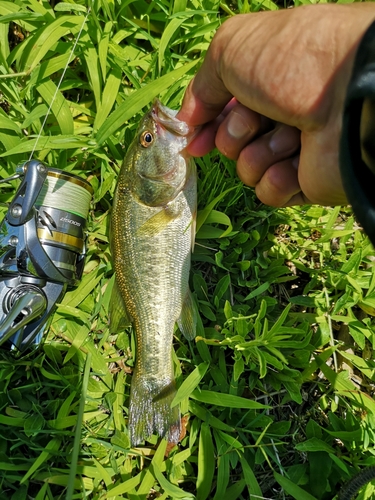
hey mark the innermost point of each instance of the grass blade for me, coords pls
(51, 449)
(149, 477)
(293, 489)
(92, 62)
(139, 100)
(206, 463)
(172, 490)
(53, 142)
(203, 214)
(60, 108)
(124, 486)
(45, 38)
(168, 33)
(228, 400)
(190, 383)
(251, 482)
(78, 430)
(109, 97)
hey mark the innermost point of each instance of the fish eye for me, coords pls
(146, 139)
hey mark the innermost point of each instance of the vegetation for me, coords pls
(277, 388)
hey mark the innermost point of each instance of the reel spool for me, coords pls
(63, 206)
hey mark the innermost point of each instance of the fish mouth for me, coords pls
(166, 117)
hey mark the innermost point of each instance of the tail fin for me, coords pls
(150, 409)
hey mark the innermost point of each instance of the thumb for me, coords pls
(203, 101)
(224, 73)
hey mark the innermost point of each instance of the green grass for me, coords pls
(278, 386)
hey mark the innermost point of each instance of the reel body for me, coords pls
(42, 250)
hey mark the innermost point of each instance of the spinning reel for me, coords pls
(42, 250)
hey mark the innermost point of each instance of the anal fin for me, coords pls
(118, 317)
(187, 322)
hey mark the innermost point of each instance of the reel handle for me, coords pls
(30, 304)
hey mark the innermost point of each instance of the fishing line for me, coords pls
(59, 84)
(65, 192)
(11, 178)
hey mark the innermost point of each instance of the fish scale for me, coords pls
(151, 239)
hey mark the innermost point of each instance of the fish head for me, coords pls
(160, 165)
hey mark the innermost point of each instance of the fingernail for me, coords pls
(237, 126)
(282, 141)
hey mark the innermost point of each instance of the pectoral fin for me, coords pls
(187, 322)
(155, 224)
(118, 317)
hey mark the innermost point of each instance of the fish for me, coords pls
(152, 237)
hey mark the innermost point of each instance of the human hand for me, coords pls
(288, 72)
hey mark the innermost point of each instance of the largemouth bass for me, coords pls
(152, 235)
